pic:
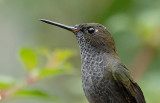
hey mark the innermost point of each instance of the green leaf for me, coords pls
(24, 93)
(6, 82)
(61, 55)
(45, 72)
(44, 51)
(29, 58)
(57, 63)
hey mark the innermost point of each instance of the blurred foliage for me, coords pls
(29, 58)
(134, 24)
(34, 94)
(56, 63)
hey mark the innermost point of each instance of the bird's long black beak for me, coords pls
(70, 28)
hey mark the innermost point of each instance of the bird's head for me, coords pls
(90, 34)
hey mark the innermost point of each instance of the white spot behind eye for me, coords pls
(96, 30)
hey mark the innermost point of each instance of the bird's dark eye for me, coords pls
(91, 30)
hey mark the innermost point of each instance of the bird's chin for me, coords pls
(79, 34)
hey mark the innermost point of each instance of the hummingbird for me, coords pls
(105, 79)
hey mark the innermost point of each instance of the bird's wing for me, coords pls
(130, 88)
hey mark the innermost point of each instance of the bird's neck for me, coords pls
(93, 59)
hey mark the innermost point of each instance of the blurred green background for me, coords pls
(134, 24)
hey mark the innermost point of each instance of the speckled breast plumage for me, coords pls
(98, 83)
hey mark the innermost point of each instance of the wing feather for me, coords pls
(131, 90)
